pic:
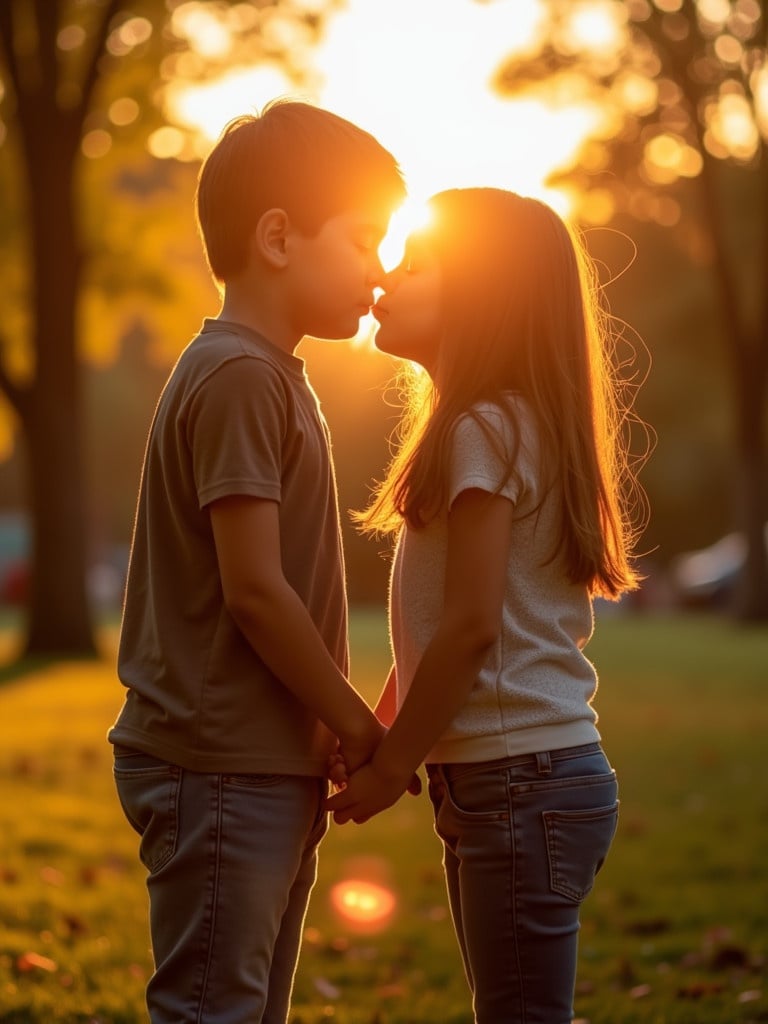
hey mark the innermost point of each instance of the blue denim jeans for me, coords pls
(523, 839)
(231, 861)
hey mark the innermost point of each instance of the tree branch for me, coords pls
(47, 24)
(100, 37)
(18, 398)
(6, 37)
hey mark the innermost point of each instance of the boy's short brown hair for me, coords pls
(305, 160)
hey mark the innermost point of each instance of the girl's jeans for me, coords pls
(523, 839)
(231, 860)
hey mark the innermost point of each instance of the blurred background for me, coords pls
(645, 122)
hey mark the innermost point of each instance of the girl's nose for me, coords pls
(390, 279)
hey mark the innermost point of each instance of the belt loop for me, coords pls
(544, 763)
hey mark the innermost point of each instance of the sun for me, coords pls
(419, 78)
(413, 215)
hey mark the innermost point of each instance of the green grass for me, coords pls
(674, 933)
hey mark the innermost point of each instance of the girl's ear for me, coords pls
(270, 239)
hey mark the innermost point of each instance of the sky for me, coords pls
(416, 73)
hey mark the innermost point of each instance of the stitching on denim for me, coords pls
(514, 840)
(214, 896)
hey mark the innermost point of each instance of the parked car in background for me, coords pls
(707, 578)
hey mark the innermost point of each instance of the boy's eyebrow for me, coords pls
(374, 229)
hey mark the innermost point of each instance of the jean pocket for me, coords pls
(577, 845)
(149, 797)
(255, 780)
(481, 794)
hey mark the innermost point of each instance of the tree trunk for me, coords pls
(751, 599)
(59, 620)
(59, 617)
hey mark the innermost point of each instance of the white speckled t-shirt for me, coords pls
(535, 690)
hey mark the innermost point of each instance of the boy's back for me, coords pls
(237, 415)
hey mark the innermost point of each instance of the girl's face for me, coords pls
(410, 311)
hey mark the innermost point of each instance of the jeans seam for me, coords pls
(514, 840)
(216, 874)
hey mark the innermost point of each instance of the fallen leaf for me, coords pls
(52, 875)
(728, 956)
(700, 990)
(649, 926)
(391, 991)
(751, 995)
(326, 988)
(30, 961)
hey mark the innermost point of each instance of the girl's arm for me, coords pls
(386, 706)
(479, 538)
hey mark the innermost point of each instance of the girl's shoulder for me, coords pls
(509, 418)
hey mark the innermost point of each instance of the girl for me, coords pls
(510, 494)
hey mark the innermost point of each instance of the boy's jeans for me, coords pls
(231, 860)
(523, 839)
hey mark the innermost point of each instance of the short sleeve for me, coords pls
(235, 429)
(485, 443)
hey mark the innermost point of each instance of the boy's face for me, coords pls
(333, 274)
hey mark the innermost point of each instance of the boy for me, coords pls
(234, 640)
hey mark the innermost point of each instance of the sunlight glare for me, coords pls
(596, 27)
(363, 903)
(411, 216)
(434, 107)
(733, 126)
(211, 106)
(203, 30)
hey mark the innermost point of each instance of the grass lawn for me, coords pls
(676, 931)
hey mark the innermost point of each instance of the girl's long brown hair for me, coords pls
(522, 315)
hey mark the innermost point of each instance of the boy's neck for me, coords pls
(240, 309)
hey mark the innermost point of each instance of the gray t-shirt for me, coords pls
(237, 417)
(535, 690)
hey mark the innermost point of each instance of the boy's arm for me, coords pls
(386, 710)
(479, 538)
(278, 626)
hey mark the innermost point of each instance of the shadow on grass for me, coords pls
(22, 665)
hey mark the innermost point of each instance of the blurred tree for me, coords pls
(681, 90)
(60, 61)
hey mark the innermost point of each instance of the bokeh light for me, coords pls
(363, 903)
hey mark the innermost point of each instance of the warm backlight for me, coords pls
(363, 903)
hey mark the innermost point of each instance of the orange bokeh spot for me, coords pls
(362, 902)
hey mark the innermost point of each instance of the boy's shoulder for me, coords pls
(220, 342)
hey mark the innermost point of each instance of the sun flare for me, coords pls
(363, 903)
(419, 78)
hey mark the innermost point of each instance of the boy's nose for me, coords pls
(377, 274)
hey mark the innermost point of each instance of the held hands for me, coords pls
(356, 748)
(366, 791)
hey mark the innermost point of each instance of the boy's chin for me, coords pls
(339, 331)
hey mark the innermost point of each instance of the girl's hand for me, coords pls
(367, 792)
(338, 775)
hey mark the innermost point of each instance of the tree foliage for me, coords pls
(681, 92)
(82, 81)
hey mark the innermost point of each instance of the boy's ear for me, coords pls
(270, 239)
